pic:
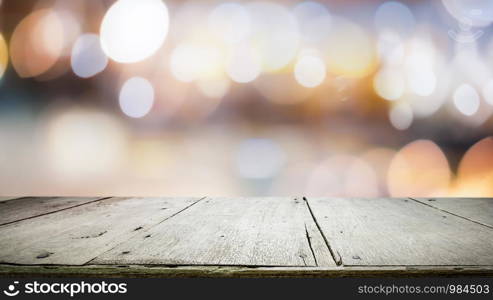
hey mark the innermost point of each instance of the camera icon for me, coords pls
(466, 34)
(11, 290)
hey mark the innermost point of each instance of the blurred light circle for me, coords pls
(183, 61)
(314, 20)
(259, 159)
(282, 88)
(488, 92)
(420, 169)
(310, 71)
(88, 59)
(466, 99)
(243, 64)
(475, 172)
(478, 13)
(401, 116)
(134, 30)
(343, 176)
(275, 34)
(71, 28)
(37, 43)
(136, 97)
(396, 17)
(421, 82)
(230, 21)
(389, 84)
(4, 56)
(390, 48)
(214, 88)
(350, 50)
(196, 61)
(379, 159)
(85, 142)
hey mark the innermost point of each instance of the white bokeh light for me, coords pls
(310, 71)
(488, 92)
(314, 20)
(401, 116)
(389, 84)
(230, 21)
(275, 34)
(134, 30)
(85, 143)
(466, 99)
(88, 59)
(475, 12)
(214, 88)
(191, 61)
(136, 97)
(243, 64)
(390, 48)
(421, 82)
(396, 17)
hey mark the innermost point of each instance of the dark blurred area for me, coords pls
(164, 98)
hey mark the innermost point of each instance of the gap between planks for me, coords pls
(451, 213)
(259, 249)
(48, 212)
(147, 229)
(335, 255)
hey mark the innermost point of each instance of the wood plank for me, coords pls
(77, 235)
(225, 231)
(476, 209)
(385, 232)
(29, 207)
(8, 198)
(143, 271)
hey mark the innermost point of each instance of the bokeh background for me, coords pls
(329, 98)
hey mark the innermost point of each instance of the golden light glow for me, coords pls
(475, 175)
(350, 51)
(37, 43)
(196, 60)
(420, 169)
(82, 142)
(4, 56)
(389, 84)
(214, 88)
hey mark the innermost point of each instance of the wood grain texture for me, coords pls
(227, 231)
(24, 208)
(145, 271)
(476, 209)
(7, 198)
(77, 235)
(384, 232)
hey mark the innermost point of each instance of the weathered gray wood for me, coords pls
(476, 209)
(140, 271)
(7, 198)
(77, 235)
(227, 231)
(28, 207)
(400, 232)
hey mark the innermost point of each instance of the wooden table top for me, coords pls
(275, 236)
